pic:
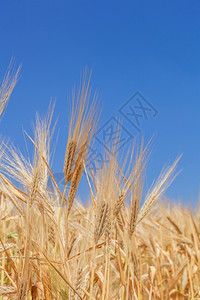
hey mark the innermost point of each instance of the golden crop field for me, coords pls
(115, 247)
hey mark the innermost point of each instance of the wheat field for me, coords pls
(115, 247)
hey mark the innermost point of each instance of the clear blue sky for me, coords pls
(148, 46)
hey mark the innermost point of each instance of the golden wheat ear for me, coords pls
(81, 130)
(163, 182)
(7, 85)
(69, 159)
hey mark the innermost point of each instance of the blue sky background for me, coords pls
(148, 46)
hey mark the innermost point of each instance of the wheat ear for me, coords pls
(74, 185)
(101, 220)
(69, 159)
